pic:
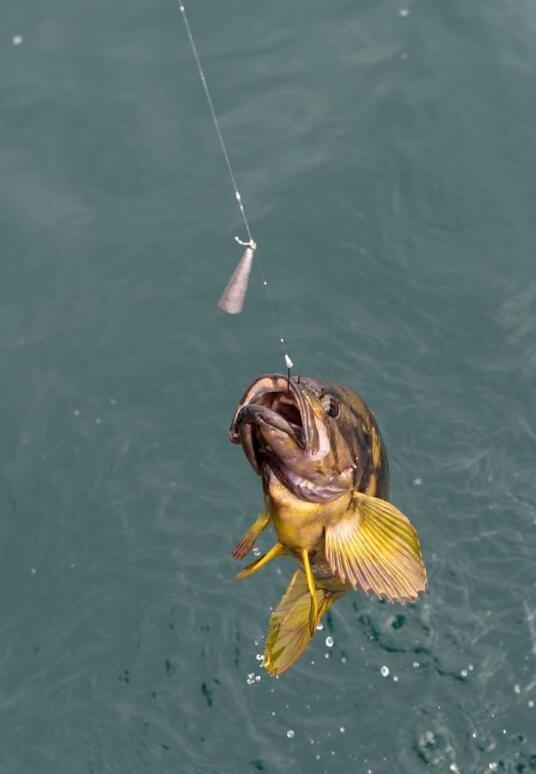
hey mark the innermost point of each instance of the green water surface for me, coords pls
(386, 156)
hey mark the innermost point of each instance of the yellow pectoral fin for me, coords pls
(377, 548)
(289, 630)
(249, 538)
(275, 551)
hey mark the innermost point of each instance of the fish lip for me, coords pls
(248, 441)
(253, 414)
(306, 436)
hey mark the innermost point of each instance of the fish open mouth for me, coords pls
(275, 402)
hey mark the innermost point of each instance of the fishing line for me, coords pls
(251, 246)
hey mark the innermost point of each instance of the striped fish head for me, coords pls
(318, 438)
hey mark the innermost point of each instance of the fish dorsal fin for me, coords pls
(289, 630)
(377, 548)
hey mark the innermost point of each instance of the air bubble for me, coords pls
(329, 641)
(291, 733)
(384, 671)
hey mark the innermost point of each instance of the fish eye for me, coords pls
(330, 406)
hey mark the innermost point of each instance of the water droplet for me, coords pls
(319, 627)
(517, 688)
(342, 729)
(290, 733)
(404, 12)
(464, 673)
(530, 703)
(76, 412)
(417, 481)
(17, 40)
(329, 641)
(33, 570)
(256, 551)
(384, 671)
(257, 678)
(395, 678)
(416, 665)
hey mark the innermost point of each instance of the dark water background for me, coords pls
(387, 162)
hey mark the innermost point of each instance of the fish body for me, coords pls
(325, 476)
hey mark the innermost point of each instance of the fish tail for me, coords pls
(289, 629)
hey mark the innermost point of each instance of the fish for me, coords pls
(325, 476)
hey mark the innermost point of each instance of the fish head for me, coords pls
(315, 436)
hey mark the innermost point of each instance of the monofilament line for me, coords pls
(286, 357)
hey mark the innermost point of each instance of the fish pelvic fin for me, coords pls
(377, 548)
(250, 537)
(313, 613)
(289, 628)
(273, 553)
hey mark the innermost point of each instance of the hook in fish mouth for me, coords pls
(275, 412)
(275, 403)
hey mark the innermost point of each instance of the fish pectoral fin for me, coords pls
(313, 613)
(249, 538)
(377, 548)
(274, 552)
(289, 630)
